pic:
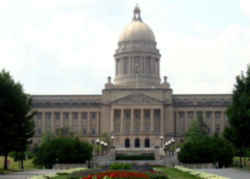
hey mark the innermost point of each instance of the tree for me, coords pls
(199, 147)
(239, 114)
(62, 150)
(16, 124)
(198, 129)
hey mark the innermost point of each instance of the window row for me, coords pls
(66, 119)
(67, 131)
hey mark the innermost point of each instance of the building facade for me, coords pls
(137, 108)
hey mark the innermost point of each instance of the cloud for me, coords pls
(245, 6)
(67, 46)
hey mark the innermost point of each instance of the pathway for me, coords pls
(229, 172)
(27, 174)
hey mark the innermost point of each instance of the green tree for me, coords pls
(16, 124)
(239, 114)
(198, 129)
(199, 147)
(62, 150)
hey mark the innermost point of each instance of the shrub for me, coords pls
(62, 150)
(207, 150)
(146, 156)
(120, 166)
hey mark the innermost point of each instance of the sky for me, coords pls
(67, 46)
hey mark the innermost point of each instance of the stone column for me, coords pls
(185, 121)
(152, 119)
(132, 121)
(122, 121)
(43, 122)
(223, 120)
(222, 124)
(88, 128)
(52, 122)
(162, 122)
(213, 122)
(142, 119)
(98, 123)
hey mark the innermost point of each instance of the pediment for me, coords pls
(137, 99)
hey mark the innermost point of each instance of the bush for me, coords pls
(62, 150)
(207, 150)
(223, 152)
(146, 156)
(120, 166)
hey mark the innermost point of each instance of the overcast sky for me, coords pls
(67, 46)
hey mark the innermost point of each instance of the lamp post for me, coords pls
(97, 141)
(112, 138)
(161, 138)
(105, 146)
(102, 146)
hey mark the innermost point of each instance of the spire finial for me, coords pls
(137, 13)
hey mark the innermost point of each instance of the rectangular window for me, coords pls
(66, 120)
(38, 120)
(75, 121)
(84, 122)
(190, 115)
(199, 115)
(147, 120)
(57, 116)
(48, 120)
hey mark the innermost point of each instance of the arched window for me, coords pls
(137, 143)
(127, 143)
(147, 143)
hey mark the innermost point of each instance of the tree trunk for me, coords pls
(6, 161)
(241, 154)
(22, 167)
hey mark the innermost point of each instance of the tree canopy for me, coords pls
(62, 150)
(239, 113)
(16, 124)
(199, 147)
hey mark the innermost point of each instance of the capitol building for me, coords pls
(137, 106)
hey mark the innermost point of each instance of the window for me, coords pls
(137, 143)
(84, 122)
(127, 116)
(117, 120)
(127, 143)
(147, 143)
(84, 131)
(157, 120)
(65, 119)
(48, 119)
(57, 116)
(217, 115)
(147, 120)
(190, 115)
(137, 120)
(75, 121)
(199, 115)
(93, 131)
(38, 121)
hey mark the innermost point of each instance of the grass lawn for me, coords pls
(14, 166)
(174, 173)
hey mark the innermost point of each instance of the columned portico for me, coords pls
(119, 124)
